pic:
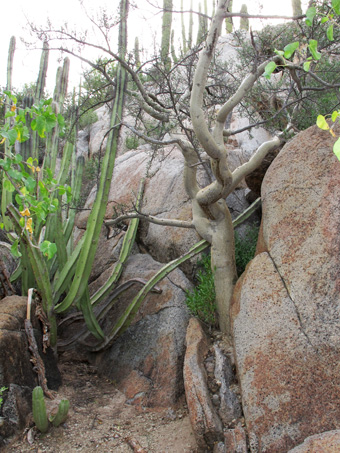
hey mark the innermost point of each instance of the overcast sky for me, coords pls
(143, 23)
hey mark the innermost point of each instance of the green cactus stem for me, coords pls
(62, 413)
(39, 409)
(244, 21)
(166, 33)
(78, 291)
(6, 196)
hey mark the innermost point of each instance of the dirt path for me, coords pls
(99, 420)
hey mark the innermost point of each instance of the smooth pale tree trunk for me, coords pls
(211, 216)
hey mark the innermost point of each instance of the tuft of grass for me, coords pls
(245, 247)
(2, 390)
(201, 301)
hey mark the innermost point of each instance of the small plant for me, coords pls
(201, 301)
(131, 142)
(2, 390)
(39, 411)
(245, 247)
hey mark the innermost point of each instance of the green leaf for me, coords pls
(310, 14)
(336, 6)
(330, 33)
(313, 47)
(15, 249)
(15, 174)
(269, 69)
(279, 52)
(324, 19)
(8, 186)
(322, 123)
(17, 159)
(49, 249)
(336, 148)
(306, 65)
(289, 49)
(335, 114)
(30, 184)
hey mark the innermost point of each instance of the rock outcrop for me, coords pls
(286, 322)
(146, 362)
(16, 370)
(328, 442)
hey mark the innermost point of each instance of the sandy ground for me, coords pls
(99, 420)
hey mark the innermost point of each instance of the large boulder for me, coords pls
(285, 311)
(328, 442)
(164, 197)
(146, 360)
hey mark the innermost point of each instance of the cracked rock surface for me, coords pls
(285, 311)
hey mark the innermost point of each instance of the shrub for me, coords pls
(201, 301)
(245, 247)
(131, 142)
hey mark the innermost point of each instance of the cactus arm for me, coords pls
(62, 413)
(76, 192)
(89, 317)
(125, 320)
(65, 163)
(39, 409)
(128, 242)
(95, 221)
(63, 278)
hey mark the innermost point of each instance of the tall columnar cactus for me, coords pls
(137, 52)
(60, 93)
(173, 50)
(184, 39)
(191, 26)
(229, 20)
(166, 33)
(6, 196)
(296, 6)
(78, 291)
(244, 21)
(39, 94)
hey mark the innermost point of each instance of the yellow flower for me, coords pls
(13, 108)
(2, 140)
(37, 169)
(25, 212)
(29, 225)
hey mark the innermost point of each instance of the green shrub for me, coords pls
(2, 390)
(88, 118)
(201, 301)
(245, 247)
(131, 142)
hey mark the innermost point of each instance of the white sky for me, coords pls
(15, 14)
